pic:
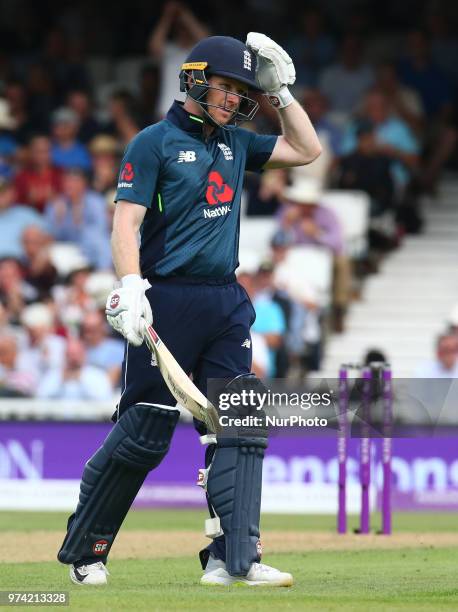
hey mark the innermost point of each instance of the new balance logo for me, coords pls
(247, 60)
(246, 343)
(186, 156)
(217, 212)
(226, 151)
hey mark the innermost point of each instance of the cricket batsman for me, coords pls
(180, 186)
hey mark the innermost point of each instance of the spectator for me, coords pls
(104, 150)
(67, 151)
(404, 101)
(173, 37)
(270, 321)
(39, 271)
(39, 181)
(15, 293)
(263, 191)
(369, 169)
(79, 215)
(293, 347)
(317, 107)
(14, 218)
(72, 300)
(418, 71)
(24, 125)
(313, 47)
(80, 102)
(309, 223)
(41, 94)
(102, 351)
(63, 56)
(345, 82)
(393, 138)
(43, 350)
(444, 45)
(125, 117)
(15, 381)
(149, 93)
(8, 144)
(445, 365)
(260, 350)
(75, 380)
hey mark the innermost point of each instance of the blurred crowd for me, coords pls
(385, 111)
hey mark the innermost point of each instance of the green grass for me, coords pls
(365, 580)
(167, 520)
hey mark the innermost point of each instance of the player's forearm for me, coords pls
(124, 248)
(299, 132)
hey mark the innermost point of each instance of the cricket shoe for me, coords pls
(94, 574)
(259, 575)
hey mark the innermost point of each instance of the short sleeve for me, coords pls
(258, 147)
(140, 168)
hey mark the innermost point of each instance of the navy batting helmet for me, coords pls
(222, 56)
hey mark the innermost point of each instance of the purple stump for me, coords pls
(365, 452)
(387, 449)
(342, 450)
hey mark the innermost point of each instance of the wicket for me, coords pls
(374, 371)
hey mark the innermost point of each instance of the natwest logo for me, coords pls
(127, 173)
(221, 211)
(218, 192)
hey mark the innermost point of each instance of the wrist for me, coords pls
(131, 280)
(281, 98)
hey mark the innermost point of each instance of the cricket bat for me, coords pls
(180, 385)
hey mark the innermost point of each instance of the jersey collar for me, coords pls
(184, 120)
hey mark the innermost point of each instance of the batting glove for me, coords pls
(274, 70)
(127, 307)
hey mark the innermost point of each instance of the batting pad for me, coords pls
(234, 491)
(112, 478)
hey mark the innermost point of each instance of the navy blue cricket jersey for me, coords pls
(192, 188)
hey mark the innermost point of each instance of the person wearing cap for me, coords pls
(181, 181)
(309, 223)
(104, 150)
(67, 151)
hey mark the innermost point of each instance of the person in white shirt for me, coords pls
(175, 34)
(75, 380)
(445, 365)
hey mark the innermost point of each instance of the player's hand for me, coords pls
(127, 308)
(275, 69)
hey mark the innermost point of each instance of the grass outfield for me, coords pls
(420, 575)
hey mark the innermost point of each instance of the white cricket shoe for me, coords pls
(94, 574)
(259, 575)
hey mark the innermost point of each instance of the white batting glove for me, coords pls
(275, 69)
(126, 308)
